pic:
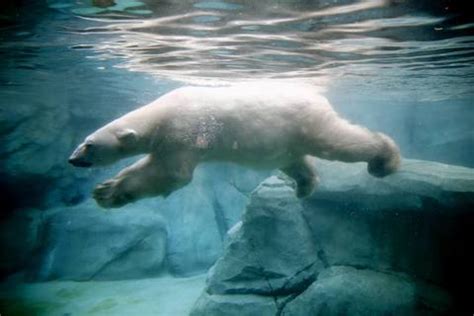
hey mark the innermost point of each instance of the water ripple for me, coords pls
(218, 40)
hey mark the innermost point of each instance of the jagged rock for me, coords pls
(84, 243)
(234, 305)
(363, 221)
(272, 252)
(417, 223)
(416, 182)
(349, 291)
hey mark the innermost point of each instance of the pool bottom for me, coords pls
(157, 296)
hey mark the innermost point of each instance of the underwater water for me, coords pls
(236, 241)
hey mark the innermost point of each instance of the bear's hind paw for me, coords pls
(306, 187)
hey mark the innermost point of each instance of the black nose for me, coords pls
(79, 163)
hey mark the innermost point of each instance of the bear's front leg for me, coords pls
(146, 178)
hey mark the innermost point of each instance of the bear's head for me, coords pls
(105, 146)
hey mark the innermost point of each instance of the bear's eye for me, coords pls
(88, 145)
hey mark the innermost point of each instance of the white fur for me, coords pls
(262, 126)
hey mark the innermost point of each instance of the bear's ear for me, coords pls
(127, 136)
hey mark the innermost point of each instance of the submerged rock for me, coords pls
(84, 243)
(271, 253)
(416, 220)
(358, 246)
(410, 228)
(75, 243)
(343, 290)
(415, 183)
(234, 305)
(199, 215)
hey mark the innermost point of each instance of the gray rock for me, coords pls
(382, 224)
(399, 233)
(348, 291)
(238, 305)
(197, 219)
(271, 252)
(194, 241)
(87, 243)
(415, 182)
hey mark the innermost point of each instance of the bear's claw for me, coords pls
(106, 194)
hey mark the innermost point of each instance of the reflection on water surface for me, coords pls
(374, 42)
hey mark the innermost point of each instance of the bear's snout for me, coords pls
(77, 160)
(79, 163)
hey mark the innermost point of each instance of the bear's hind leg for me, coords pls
(343, 141)
(305, 175)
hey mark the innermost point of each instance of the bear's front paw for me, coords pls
(109, 194)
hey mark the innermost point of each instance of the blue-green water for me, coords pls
(68, 67)
(405, 68)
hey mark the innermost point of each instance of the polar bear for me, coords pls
(262, 126)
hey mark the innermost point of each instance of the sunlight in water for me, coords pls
(217, 41)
